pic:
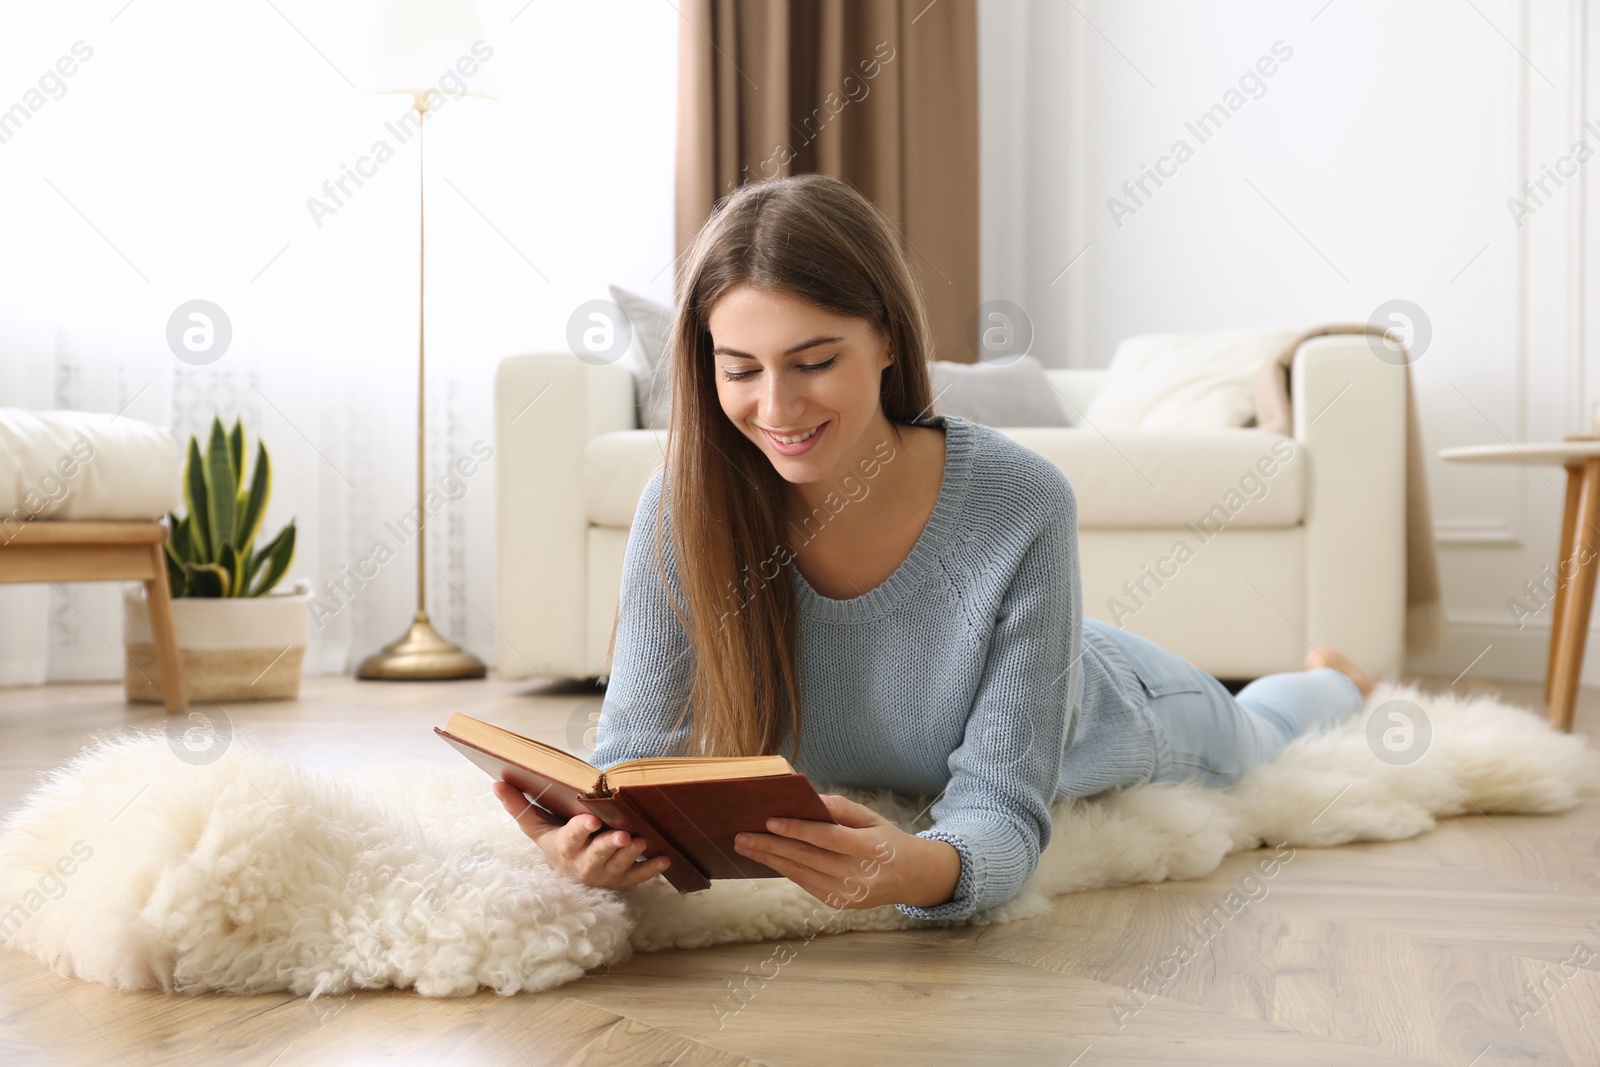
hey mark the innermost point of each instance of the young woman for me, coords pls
(820, 551)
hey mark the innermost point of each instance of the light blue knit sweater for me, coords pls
(954, 677)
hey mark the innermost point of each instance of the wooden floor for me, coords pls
(1408, 952)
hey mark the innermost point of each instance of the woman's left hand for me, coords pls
(862, 862)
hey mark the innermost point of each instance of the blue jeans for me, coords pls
(1215, 735)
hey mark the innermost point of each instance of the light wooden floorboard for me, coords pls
(1387, 953)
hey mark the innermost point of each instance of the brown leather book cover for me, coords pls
(693, 823)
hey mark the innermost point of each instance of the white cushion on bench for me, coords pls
(85, 465)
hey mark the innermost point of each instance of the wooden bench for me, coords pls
(65, 551)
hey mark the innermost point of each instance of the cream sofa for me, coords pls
(1311, 553)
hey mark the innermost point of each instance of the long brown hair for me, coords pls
(818, 239)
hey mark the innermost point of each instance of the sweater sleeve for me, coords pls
(995, 810)
(652, 660)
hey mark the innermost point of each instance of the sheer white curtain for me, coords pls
(177, 162)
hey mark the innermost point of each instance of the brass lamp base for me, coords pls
(421, 655)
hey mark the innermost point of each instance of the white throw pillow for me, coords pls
(646, 356)
(996, 394)
(1184, 381)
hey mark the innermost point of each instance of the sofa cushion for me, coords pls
(1129, 479)
(1157, 478)
(1184, 381)
(74, 465)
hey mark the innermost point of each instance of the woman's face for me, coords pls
(783, 364)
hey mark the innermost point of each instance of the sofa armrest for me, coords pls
(546, 408)
(1349, 415)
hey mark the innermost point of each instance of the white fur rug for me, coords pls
(131, 867)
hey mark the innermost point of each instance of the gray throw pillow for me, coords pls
(1009, 394)
(646, 357)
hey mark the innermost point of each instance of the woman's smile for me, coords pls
(798, 443)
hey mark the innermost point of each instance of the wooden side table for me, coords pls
(50, 550)
(1578, 563)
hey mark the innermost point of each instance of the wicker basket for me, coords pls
(232, 648)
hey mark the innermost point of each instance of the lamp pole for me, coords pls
(421, 653)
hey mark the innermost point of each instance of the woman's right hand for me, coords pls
(575, 848)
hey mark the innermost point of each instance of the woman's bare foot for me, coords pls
(1327, 656)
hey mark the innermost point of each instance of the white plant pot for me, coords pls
(231, 648)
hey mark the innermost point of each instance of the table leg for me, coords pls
(1566, 572)
(1576, 600)
(158, 599)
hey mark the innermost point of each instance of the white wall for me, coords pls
(176, 162)
(1375, 164)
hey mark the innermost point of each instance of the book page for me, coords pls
(535, 755)
(659, 770)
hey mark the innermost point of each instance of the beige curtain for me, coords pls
(880, 93)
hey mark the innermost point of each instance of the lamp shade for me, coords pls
(426, 47)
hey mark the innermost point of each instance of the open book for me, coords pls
(688, 808)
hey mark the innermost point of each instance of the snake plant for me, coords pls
(211, 551)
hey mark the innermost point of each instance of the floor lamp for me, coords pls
(425, 49)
